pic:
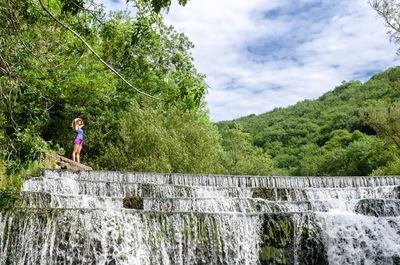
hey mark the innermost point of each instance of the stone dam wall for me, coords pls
(78, 217)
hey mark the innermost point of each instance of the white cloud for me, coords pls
(262, 54)
(322, 50)
(115, 5)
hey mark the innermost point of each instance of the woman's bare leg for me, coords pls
(78, 154)
(75, 154)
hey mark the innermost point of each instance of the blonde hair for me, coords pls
(73, 124)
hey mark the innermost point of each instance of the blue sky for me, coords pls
(262, 54)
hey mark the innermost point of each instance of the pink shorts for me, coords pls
(78, 142)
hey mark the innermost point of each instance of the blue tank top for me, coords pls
(79, 134)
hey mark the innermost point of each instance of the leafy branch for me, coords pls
(94, 52)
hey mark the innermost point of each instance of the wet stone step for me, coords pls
(108, 176)
(227, 181)
(353, 238)
(118, 189)
(244, 205)
(71, 186)
(169, 191)
(333, 205)
(47, 200)
(222, 205)
(311, 194)
(378, 207)
(211, 204)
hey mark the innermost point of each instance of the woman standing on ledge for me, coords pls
(77, 125)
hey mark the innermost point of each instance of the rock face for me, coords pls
(102, 217)
(60, 162)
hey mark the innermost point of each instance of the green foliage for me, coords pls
(352, 130)
(2, 173)
(241, 157)
(169, 141)
(367, 154)
(384, 118)
(341, 138)
(48, 77)
(389, 10)
(358, 158)
(8, 198)
(72, 6)
(158, 5)
(392, 168)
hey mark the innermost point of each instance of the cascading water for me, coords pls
(69, 217)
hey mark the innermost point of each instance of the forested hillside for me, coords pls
(352, 130)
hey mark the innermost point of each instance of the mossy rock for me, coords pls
(133, 202)
(396, 193)
(274, 194)
(263, 193)
(291, 239)
(378, 207)
(146, 190)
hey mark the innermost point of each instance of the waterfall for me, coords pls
(101, 236)
(67, 217)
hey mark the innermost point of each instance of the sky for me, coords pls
(262, 54)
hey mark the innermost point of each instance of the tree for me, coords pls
(326, 136)
(342, 138)
(172, 141)
(389, 10)
(48, 77)
(241, 157)
(384, 118)
(159, 5)
(391, 168)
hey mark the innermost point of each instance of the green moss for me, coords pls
(263, 193)
(216, 238)
(282, 239)
(189, 228)
(146, 190)
(272, 194)
(133, 202)
(272, 255)
(202, 229)
(304, 231)
(9, 198)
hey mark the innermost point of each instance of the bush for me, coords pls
(392, 168)
(156, 141)
(241, 157)
(359, 158)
